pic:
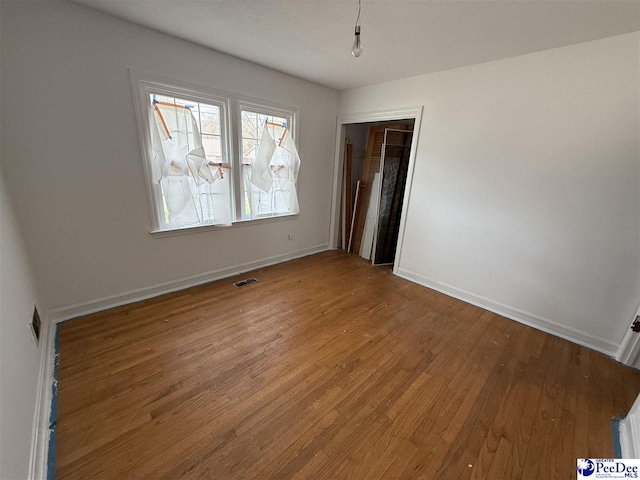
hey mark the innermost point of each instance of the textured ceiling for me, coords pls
(312, 39)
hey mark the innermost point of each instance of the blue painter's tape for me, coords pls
(51, 456)
(615, 426)
(53, 419)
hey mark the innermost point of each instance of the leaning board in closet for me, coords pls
(370, 168)
(347, 198)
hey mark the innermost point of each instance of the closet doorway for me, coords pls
(394, 166)
(375, 169)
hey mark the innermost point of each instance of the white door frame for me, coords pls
(629, 430)
(629, 351)
(366, 117)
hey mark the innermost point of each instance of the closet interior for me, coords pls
(376, 165)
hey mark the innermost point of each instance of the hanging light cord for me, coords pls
(358, 19)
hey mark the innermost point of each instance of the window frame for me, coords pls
(231, 104)
(262, 108)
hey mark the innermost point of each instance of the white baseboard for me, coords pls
(629, 351)
(38, 466)
(68, 312)
(629, 347)
(40, 437)
(549, 326)
(40, 433)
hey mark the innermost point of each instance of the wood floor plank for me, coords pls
(327, 368)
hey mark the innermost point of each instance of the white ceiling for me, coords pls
(312, 39)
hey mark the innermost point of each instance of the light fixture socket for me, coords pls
(356, 50)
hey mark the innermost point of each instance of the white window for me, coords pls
(189, 162)
(263, 128)
(194, 179)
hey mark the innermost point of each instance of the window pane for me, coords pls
(210, 119)
(264, 203)
(250, 125)
(162, 98)
(249, 149)
(212, 109)
(261, 119)
(213, 148)
(190, 194)
(253, 123)
(187, 103)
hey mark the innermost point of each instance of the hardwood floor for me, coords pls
(327, 368)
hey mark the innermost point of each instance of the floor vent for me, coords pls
(246, 282)
(35, 324)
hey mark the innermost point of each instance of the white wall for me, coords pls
(19, 355)
(77, 174)
(359, 135)
(525, 195)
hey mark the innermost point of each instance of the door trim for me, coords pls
(629, 351)
(343, 120)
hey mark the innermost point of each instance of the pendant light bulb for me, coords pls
(356, 50)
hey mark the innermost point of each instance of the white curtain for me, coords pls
(271, 185)
(194, 191)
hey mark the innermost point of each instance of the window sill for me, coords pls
(208, 228)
